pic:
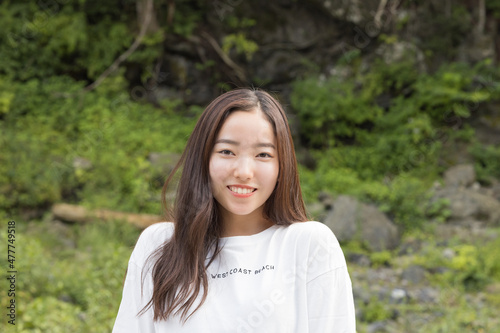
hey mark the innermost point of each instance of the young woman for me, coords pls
(239, 255)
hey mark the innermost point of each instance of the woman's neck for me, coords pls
(244, 225)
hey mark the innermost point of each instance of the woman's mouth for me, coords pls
(242, 190)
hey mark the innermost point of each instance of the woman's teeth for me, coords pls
(240, 190)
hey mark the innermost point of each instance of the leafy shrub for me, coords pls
(44, 136)
(487, 162)
(378, 135)
(471, 267)
(381, 258)
(70, 277)
(375, 310)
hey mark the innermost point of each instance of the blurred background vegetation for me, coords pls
(97, 100)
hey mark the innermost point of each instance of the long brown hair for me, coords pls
(179, 272)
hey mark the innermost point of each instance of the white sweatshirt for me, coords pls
(283, 279)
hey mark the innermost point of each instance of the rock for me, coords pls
(410, 247)
(352, 11)
(440, 270)
(466, 231)
(66, 298)
(64, 233)
(380, 276)
(316, 211)
(460, 176)
(377, 231)
(82, 316)
(396, 52)
(351, 219)
(377, 327)
(361, 294)
(414, 274)
(477, 47)
(181, 77)
(476, 187)
(493, 288)
(466, 204)
(448, 253)
(278, 66)
(424, 295)
(495, 190)
(342, 219)
(81, 163)
(359, 259)
(326, 199)
(398, 296)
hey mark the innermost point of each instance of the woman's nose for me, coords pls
(243, 169)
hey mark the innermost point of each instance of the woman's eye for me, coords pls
(225, 152)
(264, 155)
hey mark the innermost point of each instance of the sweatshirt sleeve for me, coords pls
(133, 300)
(137, 294)
(329, 291)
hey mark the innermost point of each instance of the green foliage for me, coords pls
(44, 136)
(74, 275)
(443, 29)
(471, 267)
(234, 22)
(468, 267)
(41, 40)
(487, 162)
(321, 104)
(381, 258)
(186, 17)
(378, 135)
(49, 314)
(107, 39)
(375, 310)
(489, 259)
(439, 209)
(240, 43)
(455, 313)
(494, 7)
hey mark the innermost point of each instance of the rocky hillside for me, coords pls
(444, 279)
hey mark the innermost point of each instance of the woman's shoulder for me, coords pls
(311, 229)
(151, 238)
(310, 225)
(157, 231)
(318, 241)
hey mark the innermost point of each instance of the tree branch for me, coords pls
(130, 50)
(482, 17)
(240, 73)
(380, 11)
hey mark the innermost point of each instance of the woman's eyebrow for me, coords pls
(230, 142)
(264, 145)
(236, 143)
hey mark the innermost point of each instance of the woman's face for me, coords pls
(244, 164)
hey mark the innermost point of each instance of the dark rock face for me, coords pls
(297, 38)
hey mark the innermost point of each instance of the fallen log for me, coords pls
(79, 214)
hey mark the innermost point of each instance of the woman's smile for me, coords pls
(241, 191)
